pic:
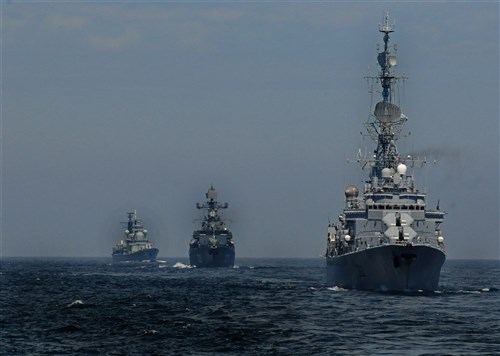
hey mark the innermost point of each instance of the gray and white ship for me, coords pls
(135, 245)
(212, 245)
(389, 239)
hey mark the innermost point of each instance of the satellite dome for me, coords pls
(392, 61)
(401, 169)
(351, 191)
(386, 173)
(347, 238)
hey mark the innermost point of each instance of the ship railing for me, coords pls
(368, 240)
(355, 204)
(374, 239)
(428, 241)
(402, 242)
(337, 248)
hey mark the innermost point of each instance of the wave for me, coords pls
(492, 289)
(67, 329)
(181, 265)
(337, 289)
(78, 304)
(477, 291)
(150, 332)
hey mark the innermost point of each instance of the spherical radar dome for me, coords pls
(402, 169)
(386, 172)
(351, 191)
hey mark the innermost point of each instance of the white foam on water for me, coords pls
(181, 265)
(76, 303)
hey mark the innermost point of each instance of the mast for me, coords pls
(212, 219)
(386, 122)
(386, 61)
(388, 114)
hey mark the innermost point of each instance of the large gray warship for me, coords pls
(135, 245)
(212, 245)
(388, 240)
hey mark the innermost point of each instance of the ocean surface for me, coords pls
(260, 307)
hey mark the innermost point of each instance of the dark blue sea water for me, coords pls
(262, 307)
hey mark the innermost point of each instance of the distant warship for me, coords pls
(212, 244)
(135, 245)
(389, 240)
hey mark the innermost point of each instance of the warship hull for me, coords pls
(206, 256)
(391, 268)
(148, 254)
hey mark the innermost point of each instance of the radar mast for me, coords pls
(386, 122)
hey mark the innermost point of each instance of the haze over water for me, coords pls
(115, 106)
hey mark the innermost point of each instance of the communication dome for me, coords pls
(145, 232)
(351, 191)
(386, 173)
(392, 61)
(127, 232)
(347, 238)
(402, 169)
(440, 239)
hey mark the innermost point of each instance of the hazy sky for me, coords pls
(113, 106)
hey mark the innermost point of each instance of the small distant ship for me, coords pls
(389, 240)
(212, 245)
(135, 245)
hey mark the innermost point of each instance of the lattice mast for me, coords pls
(386, 123)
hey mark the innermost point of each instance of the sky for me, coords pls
(107, 107)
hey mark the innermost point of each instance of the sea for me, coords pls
(91, 306)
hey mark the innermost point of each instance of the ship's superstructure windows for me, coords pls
(395, 207)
